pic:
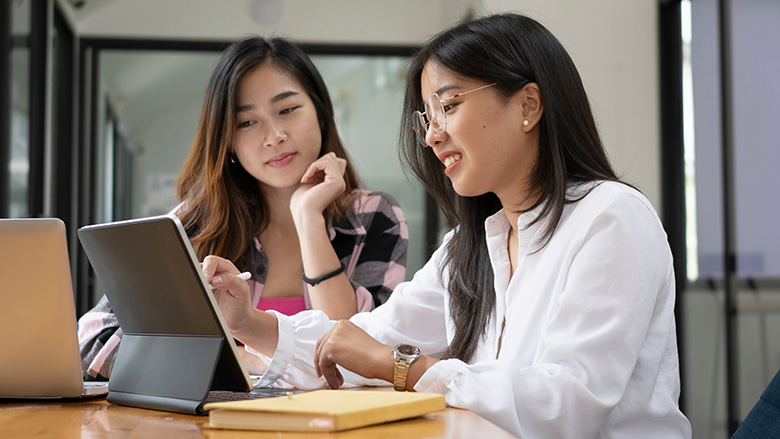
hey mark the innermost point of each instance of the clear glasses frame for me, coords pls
(435, 114)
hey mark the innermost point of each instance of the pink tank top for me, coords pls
(285, 305)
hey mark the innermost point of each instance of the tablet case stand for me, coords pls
(176, 346)
(174, 375)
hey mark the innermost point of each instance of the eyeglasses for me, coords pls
(435, 114)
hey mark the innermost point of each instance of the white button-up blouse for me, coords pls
(589, 347)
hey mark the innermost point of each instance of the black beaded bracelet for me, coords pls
(324, 277)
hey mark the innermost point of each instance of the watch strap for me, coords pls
(400, 373)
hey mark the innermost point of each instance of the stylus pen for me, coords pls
(245, 275)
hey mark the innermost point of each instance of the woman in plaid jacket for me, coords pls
(269, 185)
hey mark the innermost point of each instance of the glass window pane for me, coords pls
(367, 94)
(19, 164)
(756, 109)
(155, 98)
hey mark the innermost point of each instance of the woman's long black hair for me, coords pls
(510, 50)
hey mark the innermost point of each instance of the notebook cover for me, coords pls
(331, 410)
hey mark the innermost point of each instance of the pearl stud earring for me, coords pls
(525, 123)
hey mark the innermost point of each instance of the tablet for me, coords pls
(176, 345)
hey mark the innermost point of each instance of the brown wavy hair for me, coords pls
(223, 208)
(511, 51)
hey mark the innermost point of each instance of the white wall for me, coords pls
(335, 21)
(614, 44)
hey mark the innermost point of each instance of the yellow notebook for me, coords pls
(322, 410)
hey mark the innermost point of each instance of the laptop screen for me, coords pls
(40, 353)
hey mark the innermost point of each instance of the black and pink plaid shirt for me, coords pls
(370, 240)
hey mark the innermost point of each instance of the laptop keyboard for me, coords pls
(228, 395)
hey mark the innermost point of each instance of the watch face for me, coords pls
(407, 349)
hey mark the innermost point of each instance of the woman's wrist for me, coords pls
(308, 222)
(319, 279)
(384, 362)
(240, 330)
(260, 331)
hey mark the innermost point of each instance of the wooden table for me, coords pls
(94, 419)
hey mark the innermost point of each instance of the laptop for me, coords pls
(176, 350)
(40, 352)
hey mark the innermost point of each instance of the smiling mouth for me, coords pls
(450, 160)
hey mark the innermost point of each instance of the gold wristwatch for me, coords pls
(404, 355)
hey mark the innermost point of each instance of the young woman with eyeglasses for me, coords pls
(548, 309)
(269, 185)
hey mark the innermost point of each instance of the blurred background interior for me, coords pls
(99, 100)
